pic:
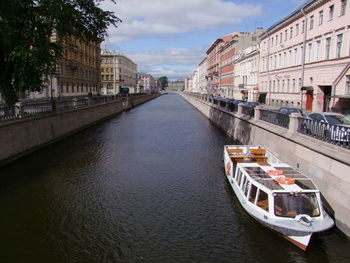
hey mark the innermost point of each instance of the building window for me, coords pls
(295, 56)
(271, 42)
(339, 44)
(320, 17)
(297, 29)
(288, 85)
(342, 7)
(347, 85)
(301, 54)
(291, 32)
(276, 40)
(318, 50)
(293, 87)
(281, 36)
(285, 35)
(280, 60)
(290, 58)
(310, 52)
(303, 27)
(328, 47)
(311, 22)
(331, 12)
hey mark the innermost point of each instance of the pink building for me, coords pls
(148, 81)
(305, 58)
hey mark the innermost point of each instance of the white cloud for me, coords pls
(168, 56)
(167, 62)
(161, 17)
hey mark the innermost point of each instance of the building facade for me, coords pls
(149, 82)
(202, 80)
(177, 85)
(246, 74)
(229, 53)
(305, 58)
(117, 71)
(77, 72)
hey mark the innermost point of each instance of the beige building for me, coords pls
(117, 71)
(176, 85)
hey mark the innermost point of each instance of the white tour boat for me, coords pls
(275, 194)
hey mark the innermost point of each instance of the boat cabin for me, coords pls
(276, 189)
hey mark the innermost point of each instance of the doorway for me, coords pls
(309, 100)
(327, 92)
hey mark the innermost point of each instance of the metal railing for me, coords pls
(275, 118)
(331, 133)
(36, 108)
(248, 111)
(8, 113)
(233, 107)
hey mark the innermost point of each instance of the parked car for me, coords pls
(290, 110)
(252, 104)
(328, 125)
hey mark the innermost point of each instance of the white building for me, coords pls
(246, 74)
(202, 80)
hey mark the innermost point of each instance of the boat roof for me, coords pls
(259, 174)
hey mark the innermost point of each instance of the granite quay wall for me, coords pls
(21, 137)
(327, 164)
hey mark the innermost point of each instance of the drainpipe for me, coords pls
(303, 58)
(268, 66)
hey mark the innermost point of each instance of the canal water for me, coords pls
(145, 186)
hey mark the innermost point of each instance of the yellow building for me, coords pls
(77, 72)
(117, 71)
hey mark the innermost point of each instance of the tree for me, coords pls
(163, 82)
(27, 53)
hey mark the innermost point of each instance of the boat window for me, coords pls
(291, 205)
(252, 194)
(247, 188)
(263, 200)
(238, 178)
(244, 183)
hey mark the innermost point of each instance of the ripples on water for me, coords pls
(145, 186)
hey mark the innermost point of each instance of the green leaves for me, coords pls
(27, 51)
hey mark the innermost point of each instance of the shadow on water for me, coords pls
(145, 186)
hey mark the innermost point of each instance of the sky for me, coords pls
(170, 37)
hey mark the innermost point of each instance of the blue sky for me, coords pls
(170, 37)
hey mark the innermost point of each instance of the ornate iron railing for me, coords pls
(35, 108)
(275, 118)
(232, 106)
(331, 133)
(248, 111)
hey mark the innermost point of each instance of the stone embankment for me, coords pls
(328, 165)
(23, 136)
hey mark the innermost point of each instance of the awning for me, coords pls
(307, 88)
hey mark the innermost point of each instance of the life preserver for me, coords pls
(228, 168)
(284, 180)
(275, 172)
